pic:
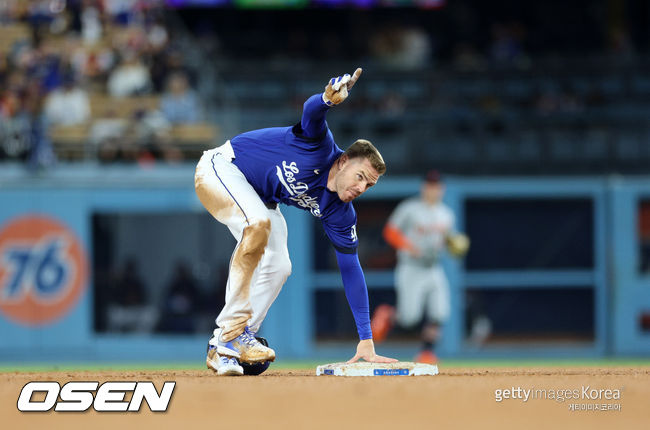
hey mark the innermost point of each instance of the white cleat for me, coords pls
(245, 347)
(222, 365)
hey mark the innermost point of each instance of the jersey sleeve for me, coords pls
(313, 122)
(356, 291)
(341, 229)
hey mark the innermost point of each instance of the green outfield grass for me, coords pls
(303, 365)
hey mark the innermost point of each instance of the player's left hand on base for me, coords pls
(338, 88)
(366, 351)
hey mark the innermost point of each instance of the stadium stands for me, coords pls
(517, 113)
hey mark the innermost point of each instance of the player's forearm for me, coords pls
(313, 116)
(396, 238)
(356, 292)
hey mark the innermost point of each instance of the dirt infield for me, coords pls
(295, 399)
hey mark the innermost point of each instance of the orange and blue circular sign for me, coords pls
(43, 270)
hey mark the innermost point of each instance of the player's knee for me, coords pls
(199, 180)
(256, 235)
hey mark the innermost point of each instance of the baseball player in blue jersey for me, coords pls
(241, 183)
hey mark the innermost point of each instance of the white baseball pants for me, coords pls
(421, 289)
(260, 263)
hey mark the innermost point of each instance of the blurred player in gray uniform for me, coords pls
(420, 229)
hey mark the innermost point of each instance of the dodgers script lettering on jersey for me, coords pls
(298, 190)
(290, 165)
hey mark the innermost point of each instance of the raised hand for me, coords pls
(337, 89)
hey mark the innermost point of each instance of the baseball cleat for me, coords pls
(255, 369)
(246, 348)
(382, 322)
(222, 365)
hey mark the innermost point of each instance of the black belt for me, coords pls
(271, 205)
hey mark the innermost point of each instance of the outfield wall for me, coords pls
(48, 251)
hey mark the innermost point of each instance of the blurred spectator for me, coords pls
(91, 25)
(22, 127)
(41, 153)
(416, 48)
(143, 138)
(402, 47)
(67, 105)
(164, 64)
(122, 12)
(14, 127)
(40, 62)
(392, 105)
(620, 44)
(42, 12)
(553, 101)
(467, 58)
(108, 131)
(507, 45)
(130, 77)
(153, 133)
(182, 302)
(129, 289)
(93, 63)
(130, 40)
(297, 44)
(115, 138)
(180, 104)
(157, 35)
(9, 11)
(130, 310)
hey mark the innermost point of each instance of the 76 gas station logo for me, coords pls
(41, 267)
(43, 270)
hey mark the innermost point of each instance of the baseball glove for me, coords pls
(457, 244)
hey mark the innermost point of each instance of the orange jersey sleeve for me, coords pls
(396, 238)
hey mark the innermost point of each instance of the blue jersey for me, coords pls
(290, 165)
